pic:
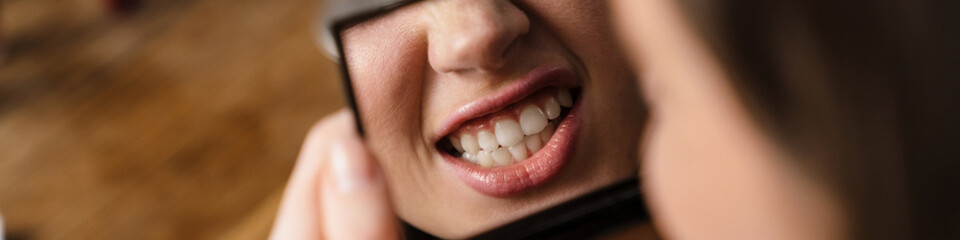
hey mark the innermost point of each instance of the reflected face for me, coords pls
(482, 112)
(708, 171)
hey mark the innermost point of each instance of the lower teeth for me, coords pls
(504, 156)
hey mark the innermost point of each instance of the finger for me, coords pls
(354, 198)
(297, 217)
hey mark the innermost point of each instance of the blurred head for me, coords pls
(481, 112)
(795, 119)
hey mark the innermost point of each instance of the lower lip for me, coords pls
(532, 172)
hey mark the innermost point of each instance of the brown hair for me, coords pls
(864, 93)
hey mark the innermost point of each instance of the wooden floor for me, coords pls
(180, 120)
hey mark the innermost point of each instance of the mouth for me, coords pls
(516, 139)
(513, 134)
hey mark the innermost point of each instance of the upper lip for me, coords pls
(538, 78)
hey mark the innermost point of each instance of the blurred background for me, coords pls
(154, 119)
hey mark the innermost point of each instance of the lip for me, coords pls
(538, 78)
(519, 177)
(535, 170)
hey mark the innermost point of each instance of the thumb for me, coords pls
(353, 196)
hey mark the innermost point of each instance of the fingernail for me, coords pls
(350, 167)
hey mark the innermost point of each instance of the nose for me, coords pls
(473, 35)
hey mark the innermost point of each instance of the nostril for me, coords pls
(475, 35)
(469, 52)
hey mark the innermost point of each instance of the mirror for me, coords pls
(485, 113)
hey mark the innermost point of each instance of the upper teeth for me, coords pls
(552, 108)
(508, 132)
(487, 140)
(565, 99)
(511, 140)
(532, 120)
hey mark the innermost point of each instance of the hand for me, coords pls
(336, 190)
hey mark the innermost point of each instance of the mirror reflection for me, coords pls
(482, 112)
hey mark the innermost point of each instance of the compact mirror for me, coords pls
(502, 145)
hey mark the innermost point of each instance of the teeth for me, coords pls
(547, 132)
(470, 157)
(519, 152)
(552, 108)
(533, 143)
(487, 140)
(508, 132)
(469, 143)
(456, 144)
(484, 159)
(502, 157)
(532, 120)
(513, 140)
(564, 97)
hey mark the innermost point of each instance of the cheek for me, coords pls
(666, 181)
(682, 181)
(387, 76)
(697, 182)
(584, 27)
(716, 178)
(387, 82)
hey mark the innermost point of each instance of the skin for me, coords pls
(412, 68)
(708, 170)
(336, 190)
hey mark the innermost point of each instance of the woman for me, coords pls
(475, 113)
(798, 119)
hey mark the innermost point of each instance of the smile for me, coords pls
(511, 135)
(517, 138)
